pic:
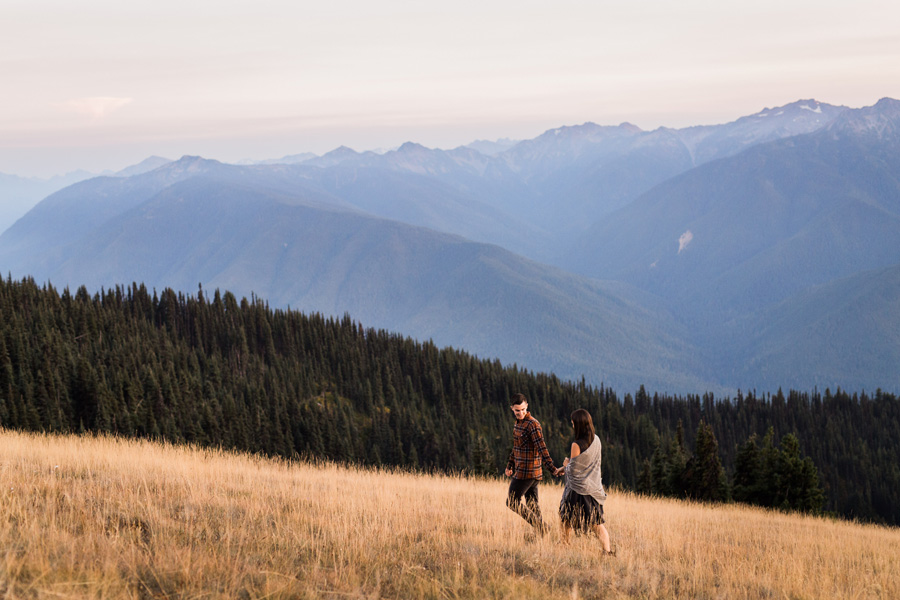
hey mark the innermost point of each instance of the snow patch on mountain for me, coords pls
(684, 240)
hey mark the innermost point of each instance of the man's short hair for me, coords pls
(517, 399)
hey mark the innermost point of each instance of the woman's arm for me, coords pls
(575, 450)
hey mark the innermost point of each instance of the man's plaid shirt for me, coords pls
(529, 450)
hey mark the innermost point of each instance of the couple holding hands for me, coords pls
(581, 507)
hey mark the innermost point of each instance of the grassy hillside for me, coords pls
(221, 373)
(103, 517)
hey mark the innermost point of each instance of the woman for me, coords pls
(581, 507)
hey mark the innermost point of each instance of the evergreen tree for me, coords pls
(748, 473)
(705, 474)
(482, 461)
(659, 473)
(645, 480)
(797, 479)
(677, 465)
(85, 395)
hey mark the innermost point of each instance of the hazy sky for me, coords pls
(98, 84)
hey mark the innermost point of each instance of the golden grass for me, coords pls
(84, 517)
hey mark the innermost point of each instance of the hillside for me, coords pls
(212, 370)
(19, 194)
(93, 517)
(776, 218)
(725, 243)
(201, 222)
(826, 333)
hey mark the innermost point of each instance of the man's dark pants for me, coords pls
(529, 510)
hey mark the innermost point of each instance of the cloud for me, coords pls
(96, 107)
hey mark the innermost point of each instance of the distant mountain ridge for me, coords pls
(730, 242)
(219, 228)
(710, 142)
(567, 178)
(679, 249)
(19, 194)
(746, 203)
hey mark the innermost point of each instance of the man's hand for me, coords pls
(508, 472)
(559, 471)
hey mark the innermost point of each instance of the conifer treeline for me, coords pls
(768, 476)
(237, 374)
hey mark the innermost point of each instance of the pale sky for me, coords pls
(102, 84)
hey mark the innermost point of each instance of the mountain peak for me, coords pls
(190, 164)
(417, 158)
(189, 159)
(811, 105)
(585, 133)
(807, 109)
(341, 151)
(888, 105)
(335, 157)
(411, 147)
(148, 164)
(881, 121)
(630, 127)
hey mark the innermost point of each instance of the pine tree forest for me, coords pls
(212, 370)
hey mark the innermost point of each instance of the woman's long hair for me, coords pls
(584, 425)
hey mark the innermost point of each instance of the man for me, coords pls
(524, 465)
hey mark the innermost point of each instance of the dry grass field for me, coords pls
(84, 517)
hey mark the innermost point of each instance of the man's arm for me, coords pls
(537, 438)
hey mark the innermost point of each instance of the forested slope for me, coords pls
(218, 371)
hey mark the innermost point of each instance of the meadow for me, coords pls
(101, 517)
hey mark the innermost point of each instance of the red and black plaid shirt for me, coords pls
(529, 450)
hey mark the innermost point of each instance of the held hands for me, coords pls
(561, 470)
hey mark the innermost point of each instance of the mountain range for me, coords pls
(19, 194)
(759, 253)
